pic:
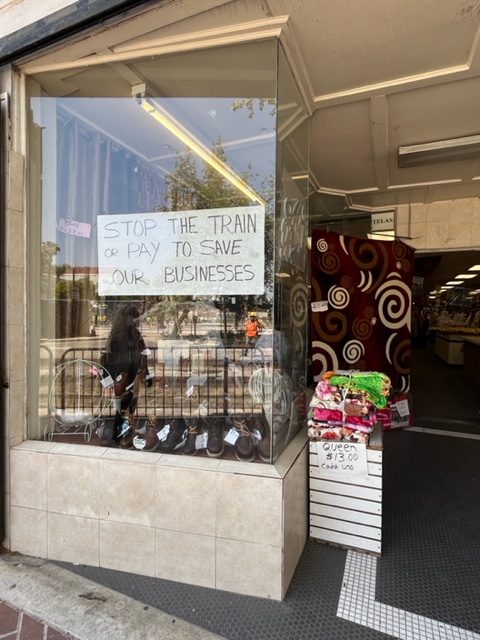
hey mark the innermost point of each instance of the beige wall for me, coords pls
(234, 526)
(450, 224)
(16, 14)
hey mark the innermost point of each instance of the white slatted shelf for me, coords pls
(348, 511)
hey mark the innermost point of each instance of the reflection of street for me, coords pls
(191, 376)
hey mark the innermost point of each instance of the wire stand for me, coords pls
(82, 389)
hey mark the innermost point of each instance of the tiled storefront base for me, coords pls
(234, 526)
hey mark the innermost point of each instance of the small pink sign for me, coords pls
(74, 228)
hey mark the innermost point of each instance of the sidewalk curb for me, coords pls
(82, 608)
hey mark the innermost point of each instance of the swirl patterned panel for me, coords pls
(334, 326)
(338, 297)
(370, 256)
(401, 357)
(298, 303)
(322, 245)
(394, 301)
(346, 282)
(366, 287)
(324, 359)
(353, 350)
(330, 262)
(362, 328)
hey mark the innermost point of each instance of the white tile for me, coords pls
(36, 445)
(137, 457)
(185, 557)
(127, 492)
(72, 539)
(249, 568)
(190, 462)
(73, 485)
(185, 500)
(290, 454)
(28, 531)
(28, 478)
(127, 547)
(80, 450)
(295, 515)
(249, 469)
(250, 509)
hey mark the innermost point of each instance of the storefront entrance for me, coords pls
(445, 341)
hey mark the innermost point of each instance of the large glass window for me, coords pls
(152, 282)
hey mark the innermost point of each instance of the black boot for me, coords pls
(108, 435)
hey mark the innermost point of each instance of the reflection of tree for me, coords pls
(214, 191)
(83, 287)
(183, 184)
(250, 103)
(174, 309)
(194, 186)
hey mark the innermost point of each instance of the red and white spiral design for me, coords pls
(322, 245)
(326, 356)
(353, 350)
(394, 301)
(338, 297)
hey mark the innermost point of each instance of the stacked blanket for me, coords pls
(344, 404)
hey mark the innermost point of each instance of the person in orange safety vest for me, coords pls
(253, 327)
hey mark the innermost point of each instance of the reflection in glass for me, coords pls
(168, 194)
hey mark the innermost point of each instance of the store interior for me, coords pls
(446, 302)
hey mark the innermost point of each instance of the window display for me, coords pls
(154, 222)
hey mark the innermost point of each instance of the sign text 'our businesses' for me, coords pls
(183, 252)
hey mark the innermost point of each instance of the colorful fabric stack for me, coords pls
(344, 403)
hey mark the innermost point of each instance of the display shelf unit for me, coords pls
(348, 512)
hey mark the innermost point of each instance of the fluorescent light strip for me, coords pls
(476, 267)
(455, 282)
(466, 276)
(199, 149)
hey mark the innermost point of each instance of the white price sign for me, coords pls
(321, 305)
(199, 252)
(346, 459)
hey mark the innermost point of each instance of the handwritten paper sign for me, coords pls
(342, 459)
(208, 251)
(74, 228)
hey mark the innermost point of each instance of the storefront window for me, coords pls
(291, 263)
(153, 215)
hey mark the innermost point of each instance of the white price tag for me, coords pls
(321, 305)
(163, 433)
(402, 408)
(202, 409)
(107, 382)
(256, 435)
(232, 436)
(201, 441)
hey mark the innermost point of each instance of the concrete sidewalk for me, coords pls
(45, 602)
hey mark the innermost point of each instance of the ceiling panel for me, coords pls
(334, 46)
(349, 44)
(341, 152)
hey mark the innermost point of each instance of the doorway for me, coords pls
(445, 374)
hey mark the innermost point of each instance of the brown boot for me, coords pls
(244, 447)
(146, 438)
